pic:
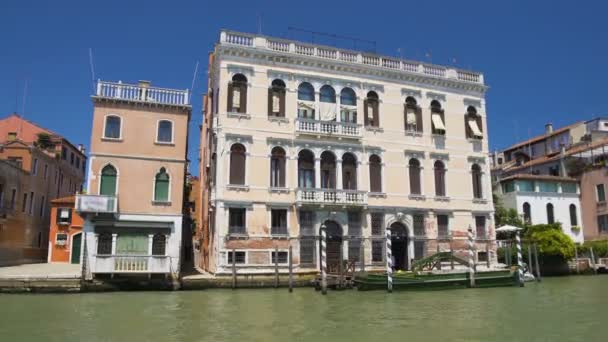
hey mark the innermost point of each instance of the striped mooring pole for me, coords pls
(520, 268)
(389, 261)
(471, 257)
(323, 260)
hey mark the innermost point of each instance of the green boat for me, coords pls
(434, 281)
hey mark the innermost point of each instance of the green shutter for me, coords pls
(136, 244)
(108, 185)
(161, 188)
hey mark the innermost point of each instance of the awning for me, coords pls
(437, 122)
(411, 118)
(133, 224)
(327, 111)
(475, 129)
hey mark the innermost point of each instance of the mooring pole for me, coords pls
(471, 257)
(593, 260)
(530, 268)
(323, 260)
(578, 270)
(233, 268)
(520, 273)
(508, 254)
(340, 267)
(389, 261)
(536, 265)
(276, 267)
(290, 269)
(451, 254)
(362, 254)
(488, 255)
(438, 251)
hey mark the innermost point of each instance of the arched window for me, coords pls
(439, 169)
(413, 115)
(476, 180)
(306, 92)
(370, 109)
(550, 214)
(237, 94)
(276, 99)
(348, 102)
(473, 124)
(349, 172)
(108, 181)
(573, 216)
(414, 171)
(527, 213)
(328, 170)
(104, 244)
(437, 118)
(277, 168)
(375, 173)
(237, 164)
(306, 169)
(112, 127)
(165, 131)
(161, 186)
(159, 244)
(327, 94)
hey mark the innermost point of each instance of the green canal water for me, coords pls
(558, 309)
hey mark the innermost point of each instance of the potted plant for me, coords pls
(575, 229)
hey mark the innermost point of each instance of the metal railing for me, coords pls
(142, 93)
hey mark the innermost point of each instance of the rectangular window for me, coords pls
(419, 225)
(443, 226)
(601, 195)
(132, 244)
(35, 166)
(525, 185)
(307, 251)
(569, 188)
(12, 136)
(13, 198)
(354, 249)
(64, 153)
(64, 215)
(377, 223)
(602, 224)
(279, 221)
(46, 171)
(31, 210)
(71, 158)
(418, 250)
(42, 206)
(78, 162)
(508, 187)
(354, 223)
(282, 257)
(307, 222)
(236, 221)
(482, 256)
(480, 227)
(61, 239)
(237, 256)
(378, 250)
(24, 204)
(547, 186)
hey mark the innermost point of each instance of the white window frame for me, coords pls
(228, 251)
(156, 141)
(105, 120)
(67, 239)
(117, 178)
(279, 251)
(168, 201)
(287, 218)
(597, 194)
(59, 211)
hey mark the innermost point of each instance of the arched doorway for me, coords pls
(399, 243)
(334, 245)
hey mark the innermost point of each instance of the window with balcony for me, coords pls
(104, 244)
(277, 168)
(327, 103)
(413, 115)
(237, 94)
(439, 170)
(306, 101)
(527, 213)
(480, 227)
(573, 215)
(112, 129)
(237, 221)
(237, 164)
(165, 132)
(443, 229)
(371, 110)
(161, 186)
(132, 244)
(328, 170)
(159, 244)
(306, 169)
(414, 173)
(108, 181)
(473, 124)
(437, 118)
(276, 99)
(278, 224)
(550, 214)
(348, 106)
(349, 172)
(476, 180)
(375, 174)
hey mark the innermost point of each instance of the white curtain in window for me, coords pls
(411, 118)
(276, 103)
(236, 98)
(438, 122)
(327, 111)
(473, 126)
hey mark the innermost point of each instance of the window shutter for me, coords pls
(230, 94)
(405, 117)
(243, 108)
(375, 181)
(414, 180)
(375, 106)
(237, 168)
(419, 119)
(282, 95)
(479, 125)
(467, 129)
(365, 113)
(270, 93)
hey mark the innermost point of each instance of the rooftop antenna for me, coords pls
(259, 23)
(334, 37)
(193, 80)
(92, 67)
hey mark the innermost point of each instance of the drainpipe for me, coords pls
(562, 161)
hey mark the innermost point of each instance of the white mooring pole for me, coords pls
(323, 260)
(389, 261)
(471, 257)
(520, 272)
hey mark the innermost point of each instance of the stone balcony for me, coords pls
(328, 128)
(96, 204)
(132, 264)
(331, 197)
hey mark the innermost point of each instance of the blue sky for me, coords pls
(545, 61)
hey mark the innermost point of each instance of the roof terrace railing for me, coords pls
(142, 92)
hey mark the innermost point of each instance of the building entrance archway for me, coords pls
(334, 245)
(399, 247)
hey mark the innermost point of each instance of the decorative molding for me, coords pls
(435, 96)
(238, 138)
(414, 154)
(240, 69)
(439, 155)
(478, 160)
(417, 94)
(472, 102)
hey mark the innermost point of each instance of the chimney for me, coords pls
(549, 128)
(144, 84)
(81, 148)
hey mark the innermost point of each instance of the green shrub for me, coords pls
(600, 248)
(551, 240)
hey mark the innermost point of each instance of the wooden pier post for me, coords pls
(233, 268)
(340, 268)
(536, 265)
(290, 269)
(389, 261)
(508, 254)
(593, 260)
(362, 254)
(488, 255)
(530, 268)
(323, 259)
(451, 254)
(276, 267)
(578, 269)
(520, 274)
(438, 251)
(471, 257)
